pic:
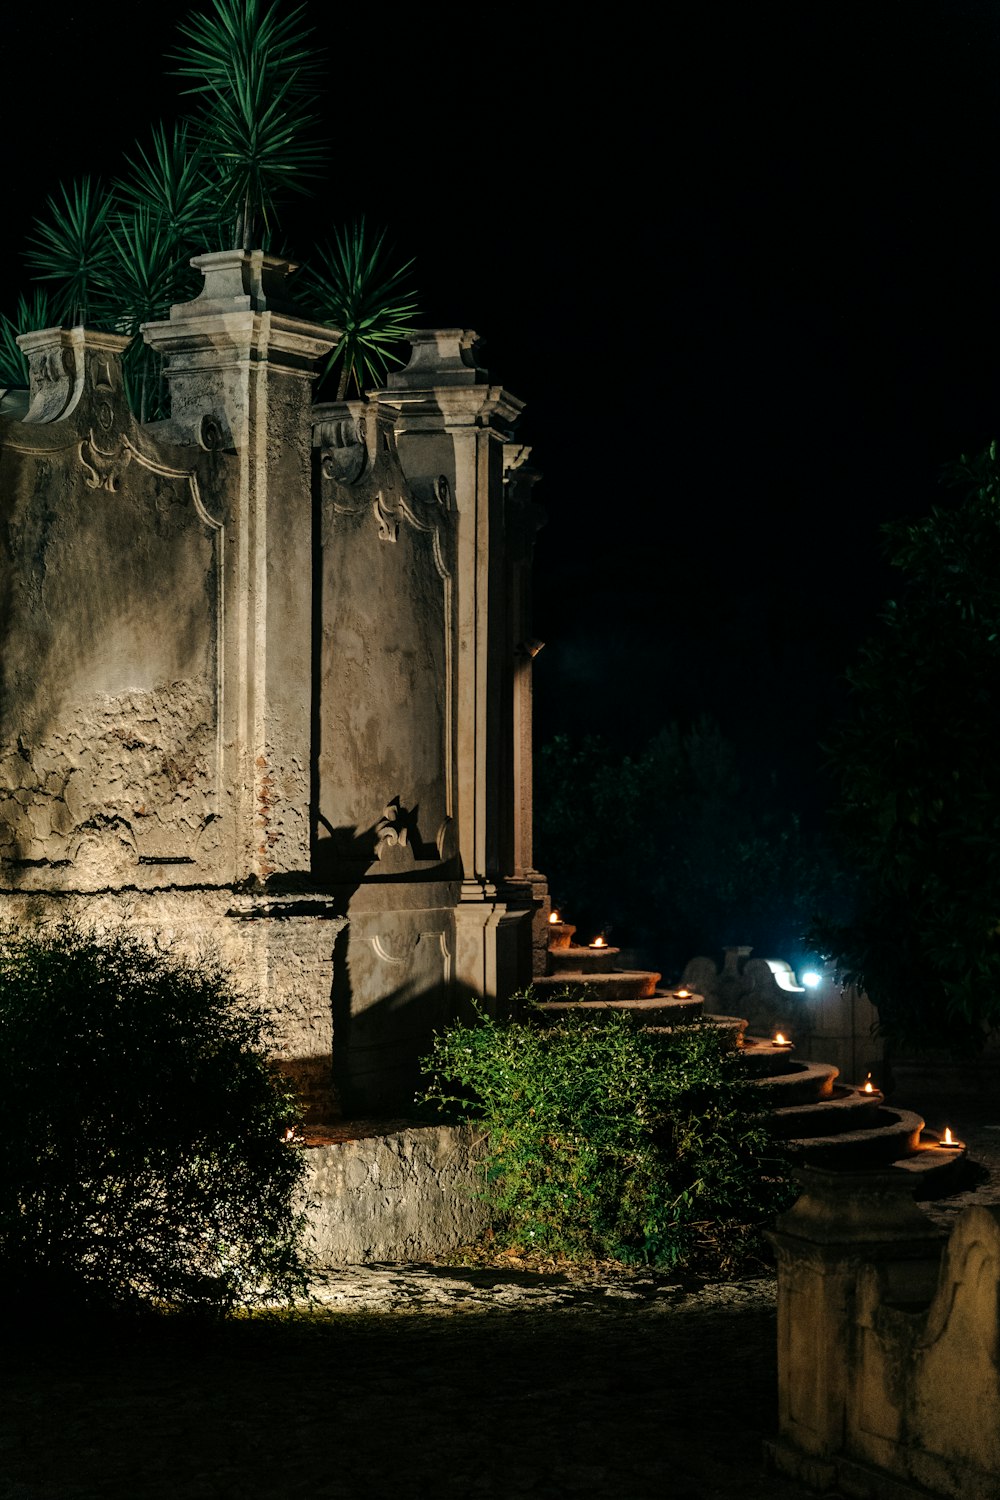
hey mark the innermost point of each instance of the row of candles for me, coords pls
(598, 942)
(947, 1141)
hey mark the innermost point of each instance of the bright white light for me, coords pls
(811, 979)
(784, 975)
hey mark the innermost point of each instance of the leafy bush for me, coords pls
(610, 1141)
(141, 1130)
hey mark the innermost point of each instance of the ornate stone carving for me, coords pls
(103, 468)
(210, 437)
(387, 521)
(391, 829)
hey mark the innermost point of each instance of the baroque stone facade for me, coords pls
(265, 673)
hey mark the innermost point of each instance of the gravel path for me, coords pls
(424, 1382)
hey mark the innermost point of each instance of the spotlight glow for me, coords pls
(811, 979)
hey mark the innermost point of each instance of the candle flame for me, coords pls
(682, 994)
(598, 943)
(869, 1087)
(780, 1039)
(949, 1139)
(554, 916)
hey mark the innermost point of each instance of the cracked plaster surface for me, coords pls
(117, 779)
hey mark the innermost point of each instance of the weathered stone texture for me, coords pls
(395, 1197)
(109, 673)
(257, 675)
(888, 1370)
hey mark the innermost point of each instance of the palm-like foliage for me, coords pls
(71, 246)
(257, 75)
(31, 314)
(355, 289)
(119, 257)
(170, 180)
(147, 270)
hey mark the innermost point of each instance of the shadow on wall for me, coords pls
(377, 1049)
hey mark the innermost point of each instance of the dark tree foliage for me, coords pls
(918, 772)
(142, 1151)
(676, 851)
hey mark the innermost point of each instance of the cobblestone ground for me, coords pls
(425, 1383)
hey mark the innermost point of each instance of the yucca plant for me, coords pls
(170, 180)
(70, 247)
(31, 314)
(257, 75)
(148, 269)
(353, 287)
(118, 257)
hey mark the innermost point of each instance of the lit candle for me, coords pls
(682, 994)
(780, 1040)
(597, 943)
(948, 1141)
(554, 916)
(869, 1087)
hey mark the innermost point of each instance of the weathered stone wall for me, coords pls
(111, 580)
(257, 675)
(404, 1196)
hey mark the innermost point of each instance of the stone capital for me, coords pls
(64, 364)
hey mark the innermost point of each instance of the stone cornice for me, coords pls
(450, 407)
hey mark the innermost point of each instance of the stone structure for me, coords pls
(265, 673)
(887, 1350)
(393, 1194)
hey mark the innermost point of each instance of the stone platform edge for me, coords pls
(413, 1192)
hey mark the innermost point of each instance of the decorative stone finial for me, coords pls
(441, 356)
(240, 281)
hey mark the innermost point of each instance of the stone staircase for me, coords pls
(824, 1122)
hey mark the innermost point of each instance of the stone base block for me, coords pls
(847, 1476)
(412, 1193)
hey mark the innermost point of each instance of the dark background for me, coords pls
(742, 266)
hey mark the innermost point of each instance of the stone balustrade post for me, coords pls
(842, 1221)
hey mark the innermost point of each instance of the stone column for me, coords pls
(524, 519)
(452, 426)
(843, 1220)
(240, 365)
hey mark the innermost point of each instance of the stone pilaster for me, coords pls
(452, 427)
(239, 365)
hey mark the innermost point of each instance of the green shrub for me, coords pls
(605, 1140)
(141, 1131)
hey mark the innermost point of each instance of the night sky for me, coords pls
(744, 273)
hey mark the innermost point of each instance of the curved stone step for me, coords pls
(801, 1084)
(763, 1059)
(622, 984)
(577, 960)
(734, 1025)
(931, 1168)
(844, 1109)
(655, 1012)
(894, 1133)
